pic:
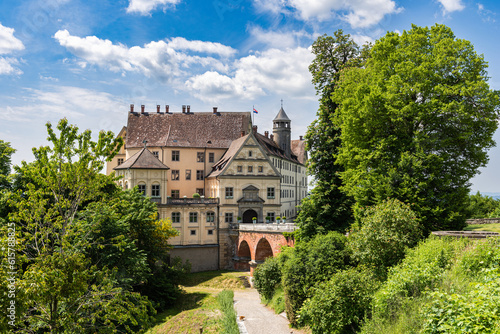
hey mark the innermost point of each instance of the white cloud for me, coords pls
(145, 7)
(362, 39)
(9, 44)
(282, 72)
(279, 39)
(451, 5)
(358, 13)
(162, 59)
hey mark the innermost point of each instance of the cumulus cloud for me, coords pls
(358, 13)
(278, 39)
(451, 5)
(145, 7)
(272, 71)
(9, 44)
(163, 59)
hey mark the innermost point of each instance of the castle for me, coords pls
(208, 171)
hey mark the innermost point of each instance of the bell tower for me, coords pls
(282, 131)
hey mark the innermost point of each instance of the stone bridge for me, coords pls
(256, 242)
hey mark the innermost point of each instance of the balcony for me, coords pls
(192, 201)
(156, 200)
(287, 227)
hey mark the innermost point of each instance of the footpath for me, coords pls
(256, 318)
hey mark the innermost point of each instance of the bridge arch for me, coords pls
(263, 250)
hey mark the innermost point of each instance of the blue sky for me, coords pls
(88, 60)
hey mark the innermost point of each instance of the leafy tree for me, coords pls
(267, 277)
(384, 233)
(482, 206)
(416, 122)
(85, 247)
(5, 160)
(327, 208)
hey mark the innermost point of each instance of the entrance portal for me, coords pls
(248, 215)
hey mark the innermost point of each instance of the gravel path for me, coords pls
(258, 319)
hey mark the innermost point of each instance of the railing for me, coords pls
(190, 201)
(156, 199)
(287, 227)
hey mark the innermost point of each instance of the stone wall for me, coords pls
(202, 258)
(483, 221)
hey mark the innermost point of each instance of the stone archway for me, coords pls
(248, 215)
(244, 256)
(263, 250)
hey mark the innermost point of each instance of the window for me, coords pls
(229, 192)
(174, 193)
(120, 161)
(260, 169)
(228, 217)
(271, 216)
(239, 169)
(210, 217)
(155, 190)
(210, 232)
(193, 217)
(192, 232)
(199, 175)
(188, 174)
(249, 154)
(250, 169)
(175, 174)
(142, 189)
(200, 191)
(211, 157)
(270, 192)
(200, 157)
(126, 185)
(176, 217)
(175, 155)
(156, 154)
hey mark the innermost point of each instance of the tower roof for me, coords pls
(282, 116)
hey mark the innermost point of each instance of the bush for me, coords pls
(340, 304)
(196, 195)
(308, 264)
(422, 269)
(386, 231)
(482, 256)
(267, 277)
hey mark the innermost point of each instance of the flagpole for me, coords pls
(253, 115)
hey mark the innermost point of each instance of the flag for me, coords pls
(255, 111)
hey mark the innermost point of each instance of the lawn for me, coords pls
(483, 227)
(198, 306)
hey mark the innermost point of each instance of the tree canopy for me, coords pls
(416, 122)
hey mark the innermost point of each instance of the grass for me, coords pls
(277, 302)
(198, 306)
(483, 227)
(225, 299)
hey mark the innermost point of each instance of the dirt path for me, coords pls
(258, 319)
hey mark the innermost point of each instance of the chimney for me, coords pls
(131, 108)
(142, 108)
(183, 108)
(188, 109)
(266, 133)
(254, 128)
(272, 137)
(243, 133)
(301, 138)
(215, 110)
(167, 107)
(158, 108)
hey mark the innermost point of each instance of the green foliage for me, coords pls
(386, 231)
(477, 311)
(5, 160)
(422, 269)
(196, 195)
(484, 255)
(341, 304)
(308, 264)
(483, 206)
(327, 208)
(225, 299)
(277, 302)
(267, 277)
(416, 123)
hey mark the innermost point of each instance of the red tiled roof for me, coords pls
(299, 149)
(272, 148)
(186, 129)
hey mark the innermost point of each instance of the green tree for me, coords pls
(327, 208)
(5, 161)
(416, 123)
(482, 206)
(61, 288)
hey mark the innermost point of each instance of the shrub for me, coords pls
(196, 195)
(484, 254)
(422, 269)
(386, 231)
(267, 277)
(340, 304)
(308, 264)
